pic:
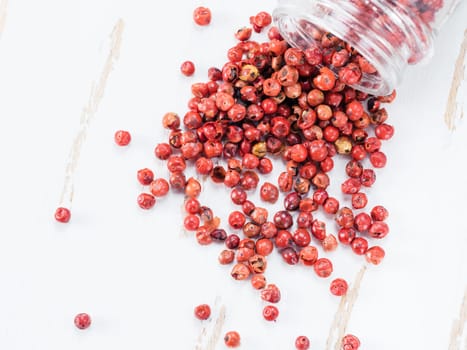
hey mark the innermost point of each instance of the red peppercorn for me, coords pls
(122, 138)
(350, 74)
(339, 287)
(226, 257)
(163, 151)
(346, 235)
(368, 177)
(318, 150)
(362, 222)
(192, 206)
(318, 229)
(82, 321)
(323, 267)
(378, 229)
(202, 312)
(203, 236)
(62, 214)
(378, 159)
(283, 220)
(379, 213)
(270, 313)
(331, 205)
(289, 255)
(359, 245)
(329, 243)
(384, 131)
(258, 281)
(232, 241)
(271, 294)
(248, 207)
(350, 342)
(240, 272)
(351, 186)
(269, 192)
(345, 217)
(265, 166)
(326, 79)
(187, 68)
(191, 222)
(202, 16)
(302, 343)
(374, 255)
(359, 200)
(358, 152)
(177, 181)
(301, 237)
(320, 196)
(283, 239)
(145, 176)
(236, 219)
(249, 180)
(171, 121)
(146, 200)
(308, 255)
(268, 230)
(232, 339)
(264, 246)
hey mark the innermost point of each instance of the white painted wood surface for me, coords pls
(65, 80)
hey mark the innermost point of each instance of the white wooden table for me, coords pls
(74, 72)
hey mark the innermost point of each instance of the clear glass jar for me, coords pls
(389, 34)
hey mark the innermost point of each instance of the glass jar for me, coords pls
(389, 34)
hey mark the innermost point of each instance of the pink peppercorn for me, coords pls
(302, 343)
(82, 321)
(374, 255)
(338, 287)
(350, 342)
(62, 214)
(323, 267)
(122, 138)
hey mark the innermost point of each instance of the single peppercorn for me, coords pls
(202, 16)
(323, 267)
(146, 200)
(338, 287)
(62, 214)
(122, 137)
(232, 339)
(226, 257)
(302, 343)
(258, 281)
(350, 342)
(359, 245)
(82, 321)
(374, 255)
(270, 313)
(145, 176)
(271, 294)
(202, 311)
(379, 213)
(187, 68)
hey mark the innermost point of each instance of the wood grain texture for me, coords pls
(89, 111)
(343, 313)
(452, 111)
(459, 330)
(3, 14)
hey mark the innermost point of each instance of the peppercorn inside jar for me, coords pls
(368, 44)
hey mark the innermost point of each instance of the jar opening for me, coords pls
(303, 22)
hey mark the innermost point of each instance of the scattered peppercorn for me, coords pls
(62, 214)
(82, 321)
(202, 312)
